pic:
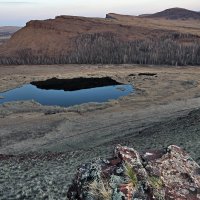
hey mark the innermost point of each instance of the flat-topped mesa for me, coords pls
(162, 174)
(40, 24)
(67, 17)
(110, 16)
(120, 17)
(72, 17)
(61, 23)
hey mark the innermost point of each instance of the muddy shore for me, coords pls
(162, 111)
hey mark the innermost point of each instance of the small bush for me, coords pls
(100, 190)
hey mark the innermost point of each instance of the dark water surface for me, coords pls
(68, 92)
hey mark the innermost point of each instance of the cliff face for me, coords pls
(165, 174)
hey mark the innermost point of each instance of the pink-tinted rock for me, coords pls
(161, 174)
(178, 173)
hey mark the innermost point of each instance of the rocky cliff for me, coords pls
(163, 174)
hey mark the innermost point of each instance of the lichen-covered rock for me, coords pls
(161, 174)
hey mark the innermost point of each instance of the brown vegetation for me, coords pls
(116, 39)
(106, 48)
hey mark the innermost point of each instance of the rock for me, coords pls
(1, 97)
(162, 174)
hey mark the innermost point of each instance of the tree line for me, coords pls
(107, 48)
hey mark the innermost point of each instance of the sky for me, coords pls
(18, 12)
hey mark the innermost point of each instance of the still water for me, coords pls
(61, 93)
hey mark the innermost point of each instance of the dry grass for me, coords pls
(190, 26)
(100, 190)
(156, 182)
(157, 185)
(129, 171)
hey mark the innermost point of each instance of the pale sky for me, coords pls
(18, 12)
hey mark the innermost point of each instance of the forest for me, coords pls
(106, 48)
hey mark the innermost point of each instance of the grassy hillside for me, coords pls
(176, 13)
(115, 39)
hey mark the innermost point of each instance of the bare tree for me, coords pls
(107, 48)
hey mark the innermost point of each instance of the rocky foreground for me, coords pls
(163, 174)
(33, 176)
(164, 111)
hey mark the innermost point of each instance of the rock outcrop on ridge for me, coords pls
(163, 174)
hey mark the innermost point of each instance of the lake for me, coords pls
(68, 92)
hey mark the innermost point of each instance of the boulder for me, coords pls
(160, 174)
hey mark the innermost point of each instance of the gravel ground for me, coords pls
(47, 175)
(40, 176)
(33, 178)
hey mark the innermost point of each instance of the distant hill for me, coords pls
(6, 32)
(144, 15)
(175, 13)
(114, 39)
(118, 16)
